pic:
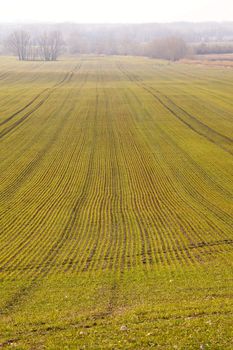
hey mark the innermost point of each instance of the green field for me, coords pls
(116, 204)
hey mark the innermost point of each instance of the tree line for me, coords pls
(213, 48)
(170, 48)
(45, 47)
(49, 45)
(30, 43)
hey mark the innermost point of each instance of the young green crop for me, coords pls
(116, 204)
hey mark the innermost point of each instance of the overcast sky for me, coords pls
(115, 11)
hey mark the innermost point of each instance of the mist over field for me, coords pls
(170, 41)
(121, 11)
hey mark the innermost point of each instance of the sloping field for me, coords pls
(116, 205)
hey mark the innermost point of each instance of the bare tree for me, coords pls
(51, 45)
(19, 44)
(44, 47)
(56, 45)
(171, 48)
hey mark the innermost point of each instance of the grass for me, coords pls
(116, 205)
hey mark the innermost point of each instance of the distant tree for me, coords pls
(56, 45)
(46, 47)
(51, 45)
(19, 43)
(171, 48)
(43, 43)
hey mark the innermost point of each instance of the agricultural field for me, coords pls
(116, 189)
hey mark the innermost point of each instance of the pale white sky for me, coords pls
(113, 11)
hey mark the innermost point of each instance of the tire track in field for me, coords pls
(205, 175)
(23, 108)
(4, 75)
(80, 200)
(56, 201)
(211, 138)
(93, 202)
(50, 257)
(25, 241)
(35, 139)
(8, 129)
(26, 238)
(21, 178)
(206, 205)
(91, 246)
(212, 134)
(111, 305)
(25, 335)
(199, 84)
(65, 235)
(142, 166)
(36, 161)
(86, 263)
(21, 295)
(198, 195)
